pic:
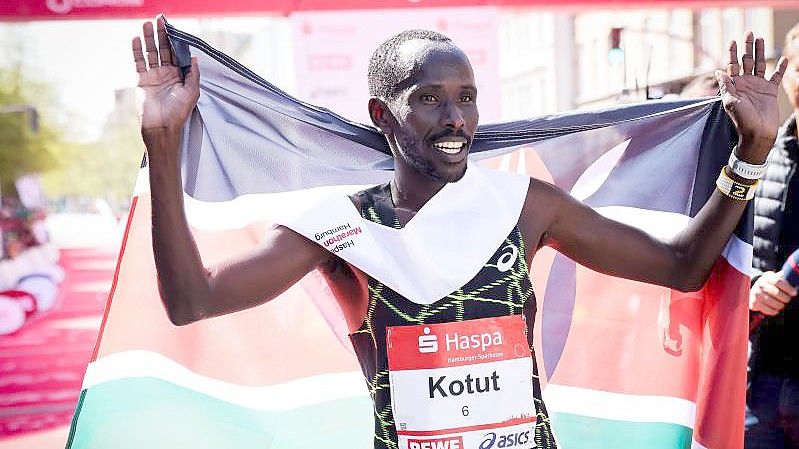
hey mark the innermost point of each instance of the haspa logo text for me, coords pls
(458, 342)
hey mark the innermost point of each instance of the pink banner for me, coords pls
(332, 51)
(20, 10)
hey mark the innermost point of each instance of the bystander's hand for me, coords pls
(770, 294)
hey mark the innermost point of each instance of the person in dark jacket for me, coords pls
(773, 398)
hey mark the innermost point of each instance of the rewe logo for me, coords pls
(428, 343)
(439, 443)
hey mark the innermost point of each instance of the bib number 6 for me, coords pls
(465, 410)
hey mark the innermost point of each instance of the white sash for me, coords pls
(442, 247)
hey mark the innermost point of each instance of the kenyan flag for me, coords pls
(627, 364)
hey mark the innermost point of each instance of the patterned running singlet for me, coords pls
(491, 293)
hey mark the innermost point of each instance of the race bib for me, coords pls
(462, 385)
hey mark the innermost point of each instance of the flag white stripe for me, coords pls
(618, 406)
(595, 176)
(286, 396)
(665, 225)
(739, 254)
(244, 210)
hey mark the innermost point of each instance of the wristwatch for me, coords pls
(746, 170)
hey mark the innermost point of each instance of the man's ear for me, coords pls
(379, 113)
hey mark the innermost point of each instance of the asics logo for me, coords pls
(507, 258)
(512, 439)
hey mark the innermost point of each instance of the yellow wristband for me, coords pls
(733, 189)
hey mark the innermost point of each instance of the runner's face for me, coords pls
(437, 115)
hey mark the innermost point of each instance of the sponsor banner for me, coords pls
(332, 51)
(513, 436)
(124, 9)
(338, 238)
(449, 377)
(457, 344)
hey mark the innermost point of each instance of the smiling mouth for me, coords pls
(450, 146)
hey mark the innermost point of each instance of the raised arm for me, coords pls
(190, 291)
(685, 261)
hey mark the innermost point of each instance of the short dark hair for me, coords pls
(386, 74)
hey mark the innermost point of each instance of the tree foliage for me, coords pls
(106, 168)
(25, 145)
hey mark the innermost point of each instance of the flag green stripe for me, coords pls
(584, 432)
(148, 412)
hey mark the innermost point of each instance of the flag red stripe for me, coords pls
(136, 320)
(721, 396)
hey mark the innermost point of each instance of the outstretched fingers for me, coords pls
(726, 84)
(164, 48)
(748, 59)
(760, 58)
(138, 56)
(733, 67)
(782, 64)
(149, 45)
(753, 61)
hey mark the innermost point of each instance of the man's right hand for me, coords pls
(770, 294)
(189, 290)
(168, 99)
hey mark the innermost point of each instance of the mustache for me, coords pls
(445, 134)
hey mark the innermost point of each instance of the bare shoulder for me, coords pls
(543, 200)
(539, 211)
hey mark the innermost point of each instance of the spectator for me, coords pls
(773, 397)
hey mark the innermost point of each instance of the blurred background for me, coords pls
(70, 149)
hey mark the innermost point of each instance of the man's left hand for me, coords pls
(751, 100)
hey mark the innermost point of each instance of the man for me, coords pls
(773, 397)
(423, 99)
